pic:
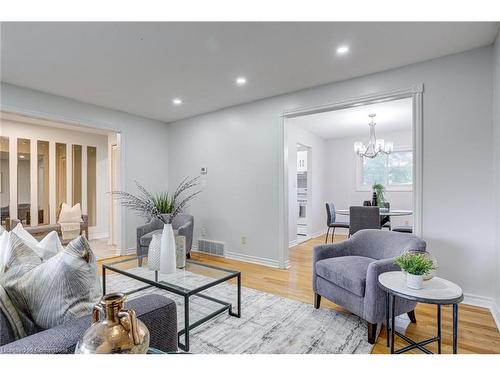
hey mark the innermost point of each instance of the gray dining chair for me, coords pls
(331, 220)
(403, 229)
(362, 217)
(385, 221)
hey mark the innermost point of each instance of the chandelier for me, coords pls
(375, 146)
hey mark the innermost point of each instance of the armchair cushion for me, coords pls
(347, 272)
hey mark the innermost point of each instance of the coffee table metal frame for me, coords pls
(183, 292)
(390, 303)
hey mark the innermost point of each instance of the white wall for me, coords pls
(240, 147)
(14, 130)
(496, 145)
(316, 172)
(144, 141)
(341, 176)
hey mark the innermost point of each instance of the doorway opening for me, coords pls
(46, 164)
(301, 219)
(340, 133)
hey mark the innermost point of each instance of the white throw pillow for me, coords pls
(70, 214)
(49, 246)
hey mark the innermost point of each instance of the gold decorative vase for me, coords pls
(119, 332)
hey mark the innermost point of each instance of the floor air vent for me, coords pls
(211, 247)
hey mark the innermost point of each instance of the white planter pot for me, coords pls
(154, 252)
(414, 281)
(167, 250)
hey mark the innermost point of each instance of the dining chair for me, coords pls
(363, 217)
(385, 221)
(331, 220)
(403, 229)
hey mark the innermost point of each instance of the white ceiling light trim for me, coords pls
(375, 146)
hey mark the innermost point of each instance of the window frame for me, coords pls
(396, 188)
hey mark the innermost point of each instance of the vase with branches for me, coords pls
(164, 207)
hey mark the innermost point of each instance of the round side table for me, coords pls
(436, 291)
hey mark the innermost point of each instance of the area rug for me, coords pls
(268, 323)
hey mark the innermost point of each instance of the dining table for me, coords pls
(383, 212)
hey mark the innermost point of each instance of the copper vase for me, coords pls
(118, 332)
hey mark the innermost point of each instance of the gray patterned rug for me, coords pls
(269, 323)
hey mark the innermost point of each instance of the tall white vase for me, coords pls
(167, 250)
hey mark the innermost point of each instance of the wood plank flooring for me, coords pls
(477, 330)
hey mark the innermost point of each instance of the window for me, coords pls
(394, 171)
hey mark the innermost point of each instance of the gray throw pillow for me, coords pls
(63, 288)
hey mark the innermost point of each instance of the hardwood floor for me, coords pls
(477, 330)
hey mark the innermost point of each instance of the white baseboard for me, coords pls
(252, 259)
(495, 311)
(476, 300)
(98, 236)
(292, 243)
(130, 251)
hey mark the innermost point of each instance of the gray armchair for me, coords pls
(182, 224)
(347, 273)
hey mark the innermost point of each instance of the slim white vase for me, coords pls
(167, 250)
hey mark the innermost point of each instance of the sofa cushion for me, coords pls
(146, 239)
(348, 272)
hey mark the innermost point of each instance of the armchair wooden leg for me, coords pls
(372, 333)
(188, 255)
(327, 232)
(317, 300)
(411, 315)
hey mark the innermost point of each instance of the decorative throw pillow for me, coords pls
(19, 259)
(63, 288)
(70, 214)
(49, 246)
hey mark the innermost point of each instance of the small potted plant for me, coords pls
(379, 189)
(416, 265)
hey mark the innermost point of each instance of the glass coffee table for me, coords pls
(188, 282)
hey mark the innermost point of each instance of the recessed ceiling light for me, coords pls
(240, 81)
(177, 101)
(342, 50)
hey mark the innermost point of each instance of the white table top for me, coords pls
(382, 213)
(435, 290)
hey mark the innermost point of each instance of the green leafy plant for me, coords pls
(163, 203)
(415, 263)
(380, 190)
(156, 205)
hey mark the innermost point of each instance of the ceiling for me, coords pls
(391, 116)
(140, 67)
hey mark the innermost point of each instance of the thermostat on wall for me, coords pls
(203, 170)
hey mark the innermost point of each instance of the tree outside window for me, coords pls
(393, 171)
